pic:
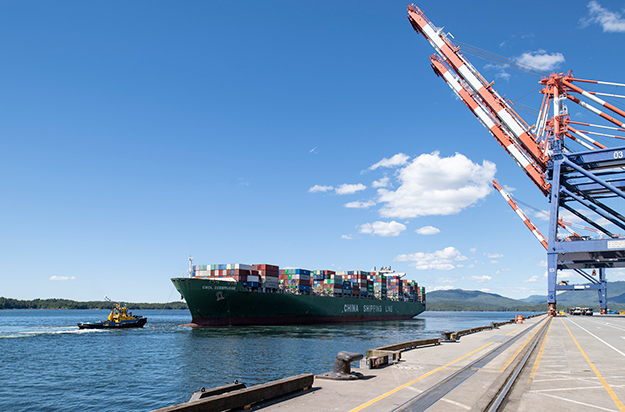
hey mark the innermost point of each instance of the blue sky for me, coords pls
(301, 134)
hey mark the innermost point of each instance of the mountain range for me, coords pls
(459, 299)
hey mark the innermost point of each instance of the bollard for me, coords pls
(494, 325)
(446, 336)
(342, 367)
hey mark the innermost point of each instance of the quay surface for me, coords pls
(577, 365)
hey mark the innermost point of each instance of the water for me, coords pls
(48, 364)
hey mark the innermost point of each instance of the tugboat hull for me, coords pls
(138, 323)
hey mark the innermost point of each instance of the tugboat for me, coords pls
(119, 317)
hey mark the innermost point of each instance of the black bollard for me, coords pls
(446, 336)
(342, 367)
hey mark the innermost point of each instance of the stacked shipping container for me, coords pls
(380, 285)
(394, 286)
(357, 282)
(296, 279)
(269, 275)
(252, 276)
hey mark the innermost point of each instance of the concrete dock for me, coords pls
(576, 363)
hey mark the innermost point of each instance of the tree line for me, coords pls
(8, 303)
(472, 306)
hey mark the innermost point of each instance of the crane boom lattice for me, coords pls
(579, 174)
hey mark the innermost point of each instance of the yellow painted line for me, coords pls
(379, 398)
(607, 387)
(514, 331)
(540, 355)
(503, 368)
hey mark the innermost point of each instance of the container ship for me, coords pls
(241, 294)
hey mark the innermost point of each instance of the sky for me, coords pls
(309, 134)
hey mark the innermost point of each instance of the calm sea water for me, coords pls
(48, 364)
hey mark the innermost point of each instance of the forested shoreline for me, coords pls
(8, 303)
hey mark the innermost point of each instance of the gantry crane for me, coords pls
(583, 182)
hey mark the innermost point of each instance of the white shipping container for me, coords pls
(252, 278)
(270, 279)
(243, 266)
(271, 285)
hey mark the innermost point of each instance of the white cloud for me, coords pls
(62, 278)
(381, 183)
(319, 188)
(616, 274)
(501, 74)
(313, 150)
(348, 237)
(431, 185)
(435, 288)
(360, 205)
(542, 263)
(384, 229)
(515, 290)
(541, 60)
(509, 189)
(440, 260)
(532, 279)
(346, 189)
(473, 250)
(493, 255)
(494, 261)
(480, 279)
(610, 21)
(485, 290)
(542, 215)
(448, 280)
(399, 159)
(428, 230)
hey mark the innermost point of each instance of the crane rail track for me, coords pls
(496, 397)
(499, 402)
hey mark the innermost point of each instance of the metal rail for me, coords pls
(436, 392)
(502, 397)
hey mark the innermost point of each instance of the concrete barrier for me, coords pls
(451, 336)
(386, 355)
(457, 335)
(245, 397)
(217, 390)
(409, 345)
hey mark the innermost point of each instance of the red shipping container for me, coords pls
(266, 267)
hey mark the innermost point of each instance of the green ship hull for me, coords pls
(215, 302)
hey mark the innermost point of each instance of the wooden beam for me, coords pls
(244, 397)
